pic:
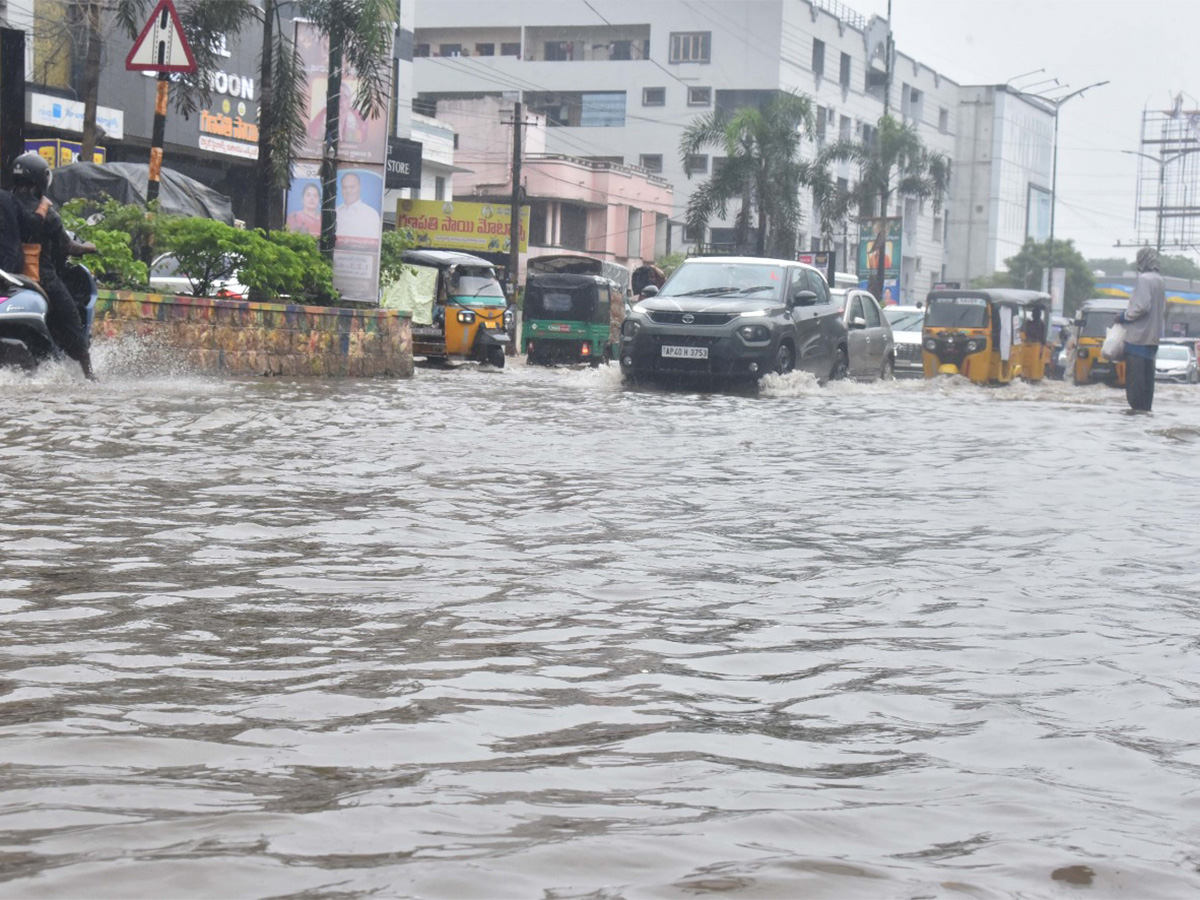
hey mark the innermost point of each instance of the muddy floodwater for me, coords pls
(532, 634)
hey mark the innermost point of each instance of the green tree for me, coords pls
(391, 251)
(1178, 267)
(894, 162)
(1111, 266)
(359, 34)
(762, 170)
(1026, 268)
(121, 234)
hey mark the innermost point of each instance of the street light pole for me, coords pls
(1056, 103)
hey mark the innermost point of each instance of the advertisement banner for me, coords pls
(362, 153)
(456, 225)
(360, 139)
(403, 164)
(62, 153)
(886, 235)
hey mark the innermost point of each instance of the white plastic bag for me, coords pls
(1114, 342)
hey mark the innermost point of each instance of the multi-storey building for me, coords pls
(620, 80)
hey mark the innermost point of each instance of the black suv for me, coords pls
(737, 318)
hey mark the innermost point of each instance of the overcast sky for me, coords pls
(1149, 50)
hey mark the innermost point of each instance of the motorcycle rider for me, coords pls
(31, 178)
(16, 228)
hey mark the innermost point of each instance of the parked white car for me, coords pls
(906, 322)
(167, 277)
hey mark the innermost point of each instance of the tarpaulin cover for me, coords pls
(178, 195)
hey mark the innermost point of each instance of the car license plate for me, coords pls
(686, 352)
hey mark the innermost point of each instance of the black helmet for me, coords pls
(31, 169)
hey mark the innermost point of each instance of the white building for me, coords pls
(621, 79)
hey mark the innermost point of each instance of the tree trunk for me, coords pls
(762, 231)
(333, 100)
(91, 81)
(266, 122)
(881, 230)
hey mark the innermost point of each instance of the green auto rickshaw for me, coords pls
(572, 310)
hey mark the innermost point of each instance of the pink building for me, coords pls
(597, 206)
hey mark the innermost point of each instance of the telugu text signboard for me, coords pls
(458, 225)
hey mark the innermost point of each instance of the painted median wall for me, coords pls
(237, 337)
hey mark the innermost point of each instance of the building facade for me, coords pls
(620, 80)
(586, 205)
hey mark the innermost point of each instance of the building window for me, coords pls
(868, 135)
(510, 49)
(691, 235)
(691, 46)
(699, 96)
(844, 127)
(620, 50)
(718, 163)
(938, 228)
(818, 59)
(655, 96)
(821, 124)
(485, 49)
(651, 162)
(420, 50)
(558, 51)
(696, 164)
(633, 234)
(943, 120)
(844, 75)
(602, 110)
(449, 49)
(439, 188)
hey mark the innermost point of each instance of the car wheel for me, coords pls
(888, 372)
(495, 356)
(841, 366)
(785, 359)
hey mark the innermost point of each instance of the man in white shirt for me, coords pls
(355, 219)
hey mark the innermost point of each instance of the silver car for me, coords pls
(1176, 362)
(869, 336)
(906, 322)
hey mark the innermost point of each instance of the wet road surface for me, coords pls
(528, 633)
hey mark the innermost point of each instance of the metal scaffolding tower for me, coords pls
(1168, 181)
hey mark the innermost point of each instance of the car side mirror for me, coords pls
(858, 322)
(649, 291)
(805, 298)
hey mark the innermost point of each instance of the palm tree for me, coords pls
(280, 115)
(762, 170)
(359, 34)
(895, 162)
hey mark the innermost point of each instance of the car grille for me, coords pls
(910, 353)
(676, 318)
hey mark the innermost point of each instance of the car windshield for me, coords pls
(1173, 352)
(957, 312)
(477, 290)
(740, 280)
(1097, 322)
(901, 320)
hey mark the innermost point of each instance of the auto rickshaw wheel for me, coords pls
(495, 356)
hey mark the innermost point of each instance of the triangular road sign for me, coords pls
(161, 47)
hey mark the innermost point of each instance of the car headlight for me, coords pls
(755, 313)
(508, 319)
(630, 327)
(930, 345)
(755, 333)
(466, 316)
(974, 346)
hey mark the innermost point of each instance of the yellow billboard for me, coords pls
(458, 225)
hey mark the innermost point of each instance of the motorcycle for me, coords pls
(25, 340)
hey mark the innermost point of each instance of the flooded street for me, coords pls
(530, 633)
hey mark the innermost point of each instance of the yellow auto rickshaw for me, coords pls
(458, 306)
(989, 336)
(1092, 322)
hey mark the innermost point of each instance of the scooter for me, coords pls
(25, 340)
